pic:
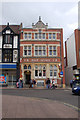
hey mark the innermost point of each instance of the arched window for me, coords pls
(29, 67)
(25, 67)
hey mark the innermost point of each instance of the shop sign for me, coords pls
(2, 79)
(41, 60)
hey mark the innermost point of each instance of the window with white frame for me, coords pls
(53, 71)
(25, 36)
(43, 35)
(52, 51)
(36, 35)
(27, 50)
(40, 50)
(54, 36)
(40, 70)
(29, 35)
(50, 35)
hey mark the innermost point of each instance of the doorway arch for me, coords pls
(27, 77)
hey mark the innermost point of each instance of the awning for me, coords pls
(7, 66)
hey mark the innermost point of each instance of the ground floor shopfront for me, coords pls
(8, 74)
(40, 72)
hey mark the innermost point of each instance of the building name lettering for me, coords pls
(40, 60)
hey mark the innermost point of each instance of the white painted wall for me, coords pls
(0, 55)
(71, 51)
(15, 45)
(0, 41)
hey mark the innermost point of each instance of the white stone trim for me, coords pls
(52, 49)
(41, 46)
(27, 46)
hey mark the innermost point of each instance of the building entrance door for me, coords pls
(27, 77)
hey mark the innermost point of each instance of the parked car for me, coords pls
(76, 87)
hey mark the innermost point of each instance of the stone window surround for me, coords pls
(27, 46)
(38, 49)
(53, 70)
(55, 45)
(39, 69)
(42, 35)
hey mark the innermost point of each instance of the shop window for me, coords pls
(40, 83)
(55, 71)
(51, 73)
(36, 73)
(40, 71)
(44, 72)
(14, 80)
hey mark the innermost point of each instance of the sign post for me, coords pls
(61, 75)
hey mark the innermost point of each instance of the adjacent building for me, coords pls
(72, 57)
(9, 54)
(41, 54)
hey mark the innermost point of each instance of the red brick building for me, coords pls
(41, 54)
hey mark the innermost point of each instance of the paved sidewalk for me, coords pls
(27, 107)
(69, 88)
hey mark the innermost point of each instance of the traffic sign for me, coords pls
(61, 73)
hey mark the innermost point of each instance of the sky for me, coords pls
(57, 14)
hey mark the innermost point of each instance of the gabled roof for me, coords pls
(39, 24)
(15, 28)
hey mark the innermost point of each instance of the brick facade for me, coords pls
(41, 46)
